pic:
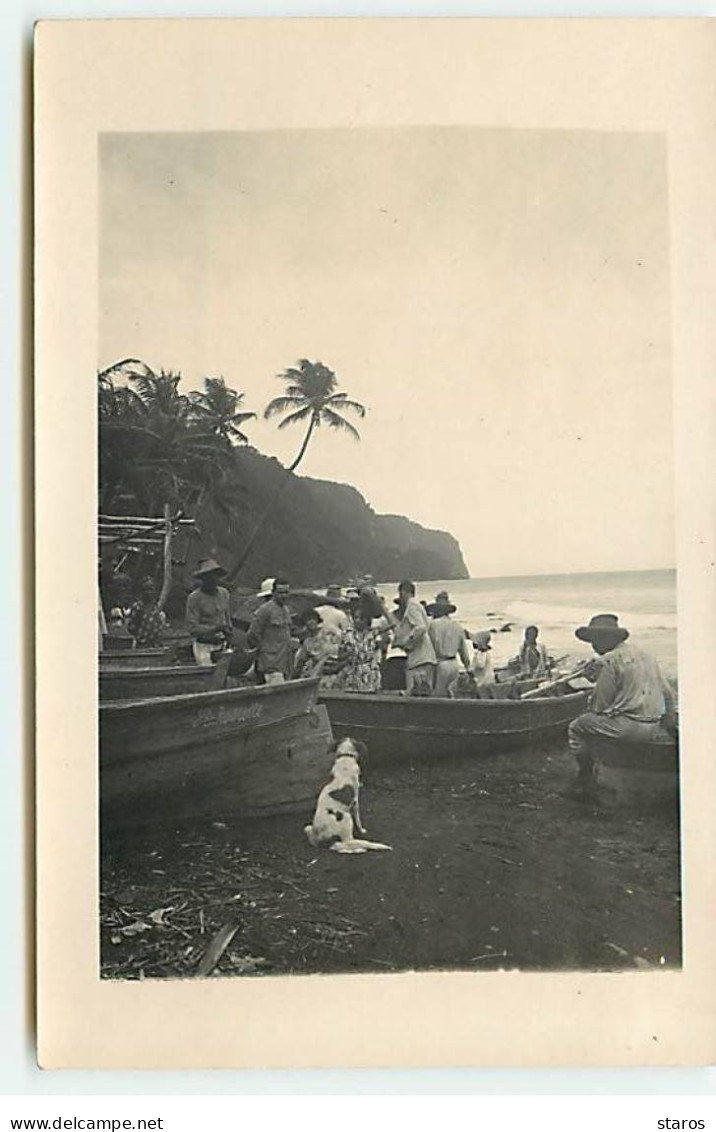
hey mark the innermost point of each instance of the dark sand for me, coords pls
(492, 867)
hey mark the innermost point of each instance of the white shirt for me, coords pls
(482, 668)
(333, 618)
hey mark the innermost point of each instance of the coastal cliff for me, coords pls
(318, 531)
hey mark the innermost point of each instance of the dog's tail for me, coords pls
(359, 845)
(310, 834)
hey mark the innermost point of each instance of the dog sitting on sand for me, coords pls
(337, 815)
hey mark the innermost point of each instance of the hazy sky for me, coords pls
(498, 299)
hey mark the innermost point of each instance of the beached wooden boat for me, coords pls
(640, 773)
(394, 725)
(136, 658)
(237, 752)
(176, 650)
(161, 680)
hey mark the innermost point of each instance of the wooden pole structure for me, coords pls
(167, 582)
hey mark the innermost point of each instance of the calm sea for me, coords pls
(645, 602)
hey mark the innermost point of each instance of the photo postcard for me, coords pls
(374, 510)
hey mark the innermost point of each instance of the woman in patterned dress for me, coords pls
(145, 621)
(359, 656)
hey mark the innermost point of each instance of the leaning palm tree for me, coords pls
(312, 396)
(311, 392)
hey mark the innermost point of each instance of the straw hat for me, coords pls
(602, 626)
(441, 605)
(208, 566)
(481, 640)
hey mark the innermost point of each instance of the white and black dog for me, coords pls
(337, 814)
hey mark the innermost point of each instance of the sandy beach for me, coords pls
(492, 867)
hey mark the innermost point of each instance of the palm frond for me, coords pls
(335, 420)
(294, 418)
(342, 401)
(280, 404)
(123, 368)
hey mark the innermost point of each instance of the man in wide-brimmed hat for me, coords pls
(630, 698)
(208, 618)
(448, 638)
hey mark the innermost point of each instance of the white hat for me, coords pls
(266, 587)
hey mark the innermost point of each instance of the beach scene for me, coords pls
(643, 599)
(387, 599)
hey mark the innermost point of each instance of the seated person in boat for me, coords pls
(410, 626)
(334, 620)
(242, 655)
(393, 669)
(121, 598)
(481, 667)
(333, 615)
(116, 626)
(631, 698)
(448, 640)
(208, 619)
(270, 634)
(533, 658)
(145, 622)
(313, 649)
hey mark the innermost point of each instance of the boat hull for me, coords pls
(161, 680)
(176, 650)
(396, 726)
(136, 658)
(640, 773)
(244, 752)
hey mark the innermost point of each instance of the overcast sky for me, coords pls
(498, 299)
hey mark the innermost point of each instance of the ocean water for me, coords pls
(645, 602)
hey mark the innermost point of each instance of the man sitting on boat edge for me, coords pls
(631, 699)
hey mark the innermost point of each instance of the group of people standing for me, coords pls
(353, 642)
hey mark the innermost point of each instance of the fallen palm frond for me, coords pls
(216, 949)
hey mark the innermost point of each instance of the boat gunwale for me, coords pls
(204, 699)
(330, 695)
(154, 670)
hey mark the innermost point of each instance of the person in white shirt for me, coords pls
(448, 638)
(481, 666)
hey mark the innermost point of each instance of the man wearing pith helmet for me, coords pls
(630, 698)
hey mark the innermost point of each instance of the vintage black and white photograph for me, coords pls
(386, 553)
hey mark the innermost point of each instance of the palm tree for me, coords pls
(311, 392)
(152, 446)
(220, 409)
(312, 395)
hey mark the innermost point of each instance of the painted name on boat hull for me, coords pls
(222, 716)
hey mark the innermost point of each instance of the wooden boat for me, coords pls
(237, 752)
(161, 680)
(395, 725)
(173, 651)
(641, 773)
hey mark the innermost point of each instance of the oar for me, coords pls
(553, 683)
